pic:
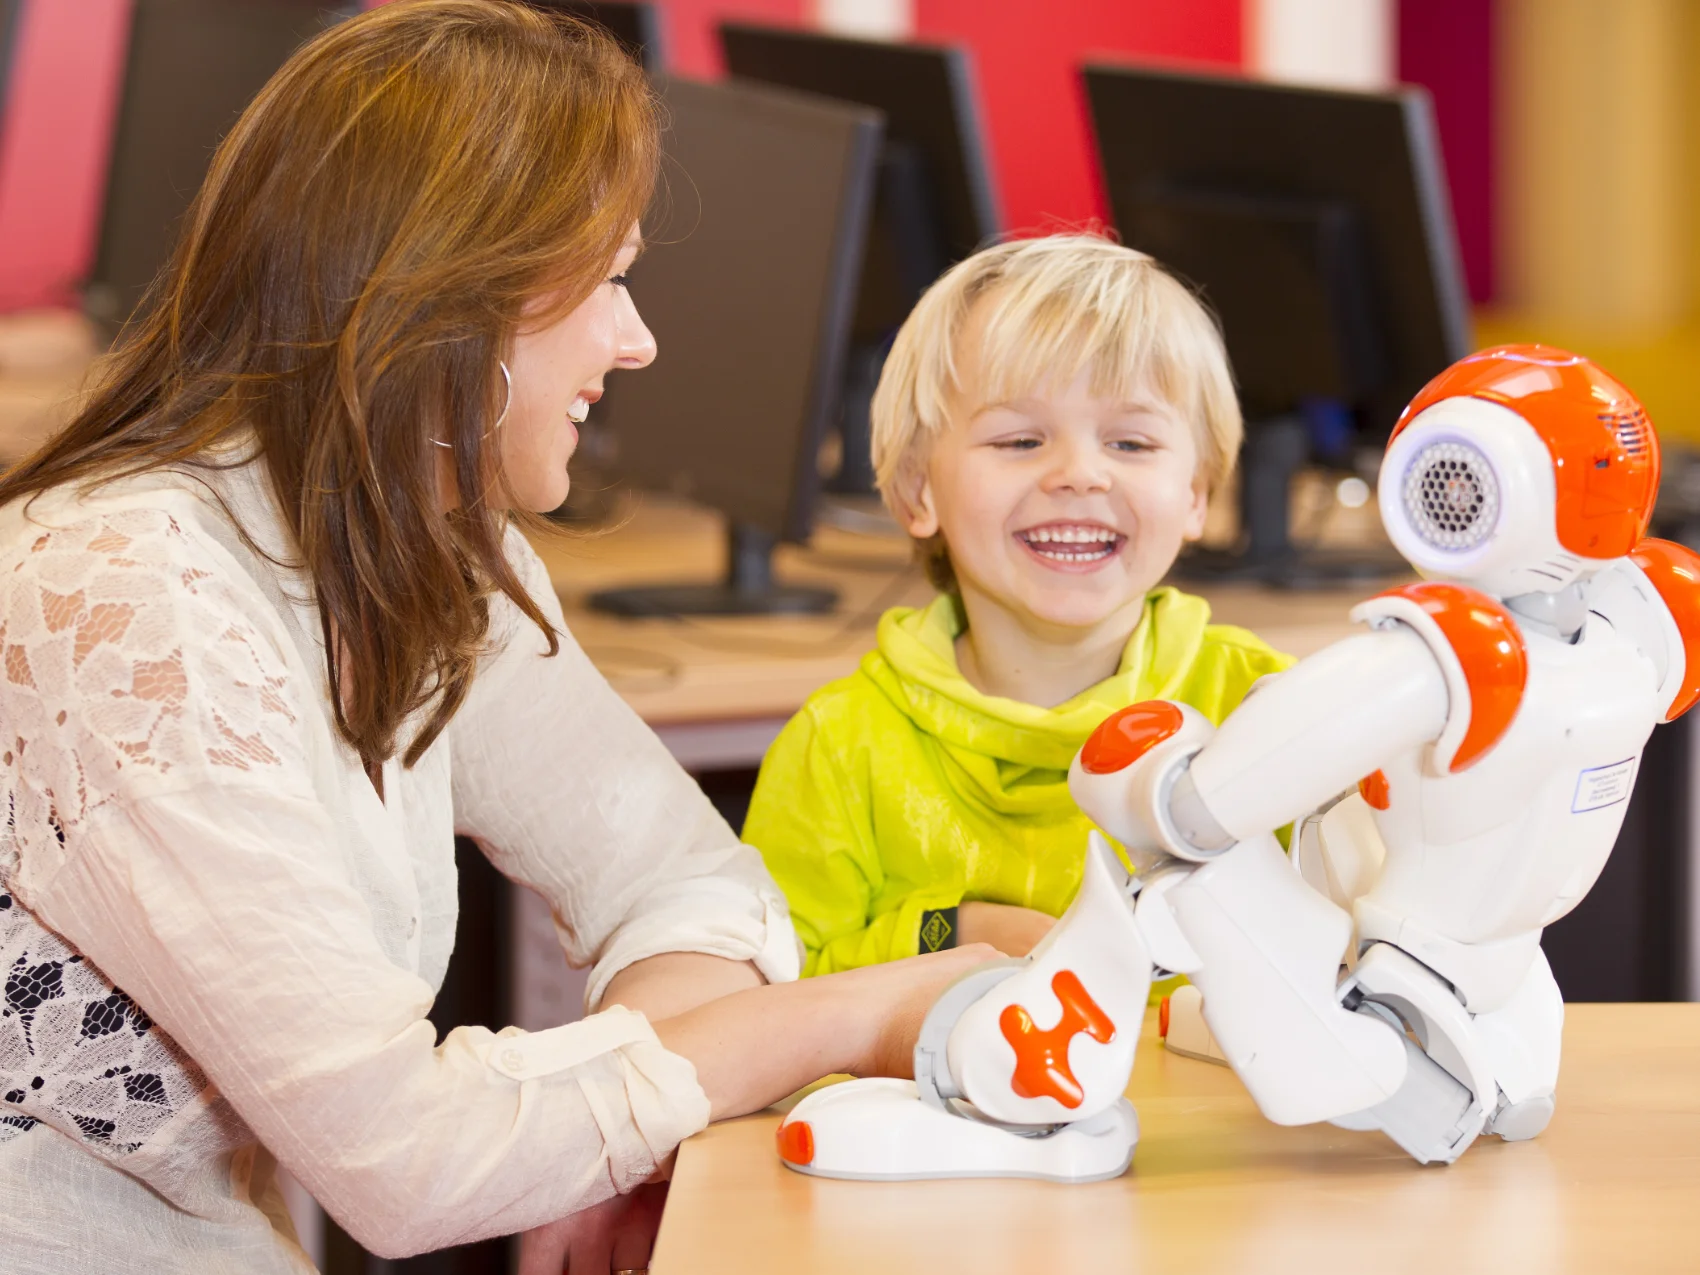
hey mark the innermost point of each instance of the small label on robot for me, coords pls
(1603, 786)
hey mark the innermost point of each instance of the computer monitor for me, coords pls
(1318, 226)
(191, 68)
(636, 26)
(749, 287)
(11, 12)
(934, 203)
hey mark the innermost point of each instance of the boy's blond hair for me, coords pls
(1063, 303)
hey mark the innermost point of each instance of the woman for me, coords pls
(269, 639)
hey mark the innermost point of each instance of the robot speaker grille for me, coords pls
(1451, 496)
(1631, 427)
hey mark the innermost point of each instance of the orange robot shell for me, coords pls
(1675, 572)
(1605, 453)
(1488, 648)
(1128, 734)
(1375, 790)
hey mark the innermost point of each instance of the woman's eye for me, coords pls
(618, 280)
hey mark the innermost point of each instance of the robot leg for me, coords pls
(1468, 1073)
(1270, 948)
(1439, 1109)
(1523, 1039)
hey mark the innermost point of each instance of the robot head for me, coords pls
(1520, 470)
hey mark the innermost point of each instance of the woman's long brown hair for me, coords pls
(351, 271)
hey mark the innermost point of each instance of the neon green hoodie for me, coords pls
(901, 789)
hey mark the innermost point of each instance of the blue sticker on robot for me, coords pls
(1603, 786)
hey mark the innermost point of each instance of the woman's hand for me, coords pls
(615, 1235)
(919, 981)
(1014, 931)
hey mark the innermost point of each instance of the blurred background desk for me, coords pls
(1610, 1186)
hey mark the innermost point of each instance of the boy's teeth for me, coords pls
(1072, 544)
(1070, 535)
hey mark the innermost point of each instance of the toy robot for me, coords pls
(1456, 776)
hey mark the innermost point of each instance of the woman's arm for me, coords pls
(757, 1045)
(664, 986)
(799, 1031)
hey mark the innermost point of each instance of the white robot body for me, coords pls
(1480, 861)
(1456, 776)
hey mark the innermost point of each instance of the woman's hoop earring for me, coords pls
(508, 380)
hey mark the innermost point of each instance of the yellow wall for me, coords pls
(1600, 147)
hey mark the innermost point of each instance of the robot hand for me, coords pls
(1048, 1040)
(1131, 780)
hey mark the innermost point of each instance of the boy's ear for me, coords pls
(1195, 516)
(920, 519)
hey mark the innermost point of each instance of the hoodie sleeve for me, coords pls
(810, 818)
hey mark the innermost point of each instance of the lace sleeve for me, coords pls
(131, 663)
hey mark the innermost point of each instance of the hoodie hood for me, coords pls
(1016, 754)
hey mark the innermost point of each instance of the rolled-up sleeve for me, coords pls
(569, 792)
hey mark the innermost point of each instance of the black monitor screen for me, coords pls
(1316, 223)
(192, 67)
(935, 203)
(747, 284)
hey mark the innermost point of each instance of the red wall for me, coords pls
(1034, 109)
(53, 145)
(691, 45)
(1448, 47)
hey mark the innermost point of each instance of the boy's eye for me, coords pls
(1017, 444)
(1131, 445)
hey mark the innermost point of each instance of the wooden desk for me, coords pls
(1613, 1185)
(718, 690)
(44, 356)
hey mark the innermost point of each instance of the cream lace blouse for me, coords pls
(220, 946)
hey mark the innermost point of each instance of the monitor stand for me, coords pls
(1275, 450)
(748, 589)
(855, 476)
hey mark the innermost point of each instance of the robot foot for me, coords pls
(878, 1130)
(1431, 1116)
(1520, 1121)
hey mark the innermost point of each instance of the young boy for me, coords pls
(1049, 427)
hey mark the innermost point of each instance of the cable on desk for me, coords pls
(649, 670)
(696, 632)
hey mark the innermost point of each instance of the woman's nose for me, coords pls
(637, 342)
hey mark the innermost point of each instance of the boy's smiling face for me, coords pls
(1060, 508)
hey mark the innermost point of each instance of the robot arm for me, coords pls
(1310, 734)
(1653, 596)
